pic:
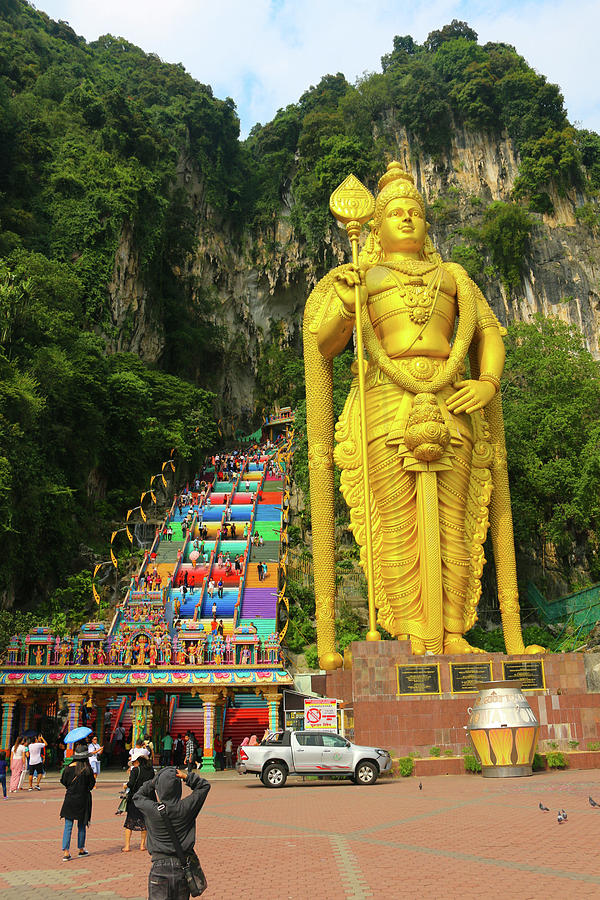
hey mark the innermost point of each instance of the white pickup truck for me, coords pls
(311, 753)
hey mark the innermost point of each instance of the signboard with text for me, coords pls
(529, 672)
(419, 678)
(320, 712)
(465, 677)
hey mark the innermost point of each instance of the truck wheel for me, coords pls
(274, 775)
(366, 773)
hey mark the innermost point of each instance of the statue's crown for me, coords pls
(393, 184)
(394, 172)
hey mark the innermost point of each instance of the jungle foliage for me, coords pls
(431, 89)
(551, 399)
(91, 136)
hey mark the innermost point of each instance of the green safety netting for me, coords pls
(250, 438)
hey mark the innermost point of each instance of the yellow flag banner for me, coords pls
(112, 555)
(129, 534)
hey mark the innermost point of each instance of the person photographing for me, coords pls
(168, 816)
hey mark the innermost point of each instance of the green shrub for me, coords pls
(435, 751)
(506, 235)
(448, 752)
(538, 763)
(556, 760)
(470, 259)
(471, 762)
(406, 765)
(593, 745)
(573, 745)
(588, 215)
(312, 657)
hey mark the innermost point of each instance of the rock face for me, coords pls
(260, 280)
(135, 327)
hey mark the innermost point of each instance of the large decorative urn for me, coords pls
(503, 729)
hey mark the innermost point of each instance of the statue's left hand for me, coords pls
(470, 396)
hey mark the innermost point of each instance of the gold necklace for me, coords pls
(418, 297)
(411, 266)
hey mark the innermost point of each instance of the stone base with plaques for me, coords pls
(406, 703)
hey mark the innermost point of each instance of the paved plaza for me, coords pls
(458, 837)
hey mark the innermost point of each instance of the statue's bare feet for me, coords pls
(455, 643)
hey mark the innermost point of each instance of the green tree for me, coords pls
(506, 235)
(455, 30)
(551, 399)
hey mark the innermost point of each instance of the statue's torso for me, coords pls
(406, 321)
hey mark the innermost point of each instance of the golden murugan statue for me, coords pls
(434, 440)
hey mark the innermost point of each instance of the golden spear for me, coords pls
(353, 205)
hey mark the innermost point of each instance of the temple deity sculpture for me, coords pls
(425, 411)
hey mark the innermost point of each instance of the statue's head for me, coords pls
(398, 223)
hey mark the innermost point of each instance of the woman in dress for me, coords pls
(141, 771)
(17, 764)
(79, 781)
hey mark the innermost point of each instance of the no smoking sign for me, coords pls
(320, 712)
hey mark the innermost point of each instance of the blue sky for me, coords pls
(265, 53)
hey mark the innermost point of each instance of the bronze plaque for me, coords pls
(419, 679)
(530, 672)
(464, 677)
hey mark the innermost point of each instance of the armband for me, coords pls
(343, 313)
(491, 379)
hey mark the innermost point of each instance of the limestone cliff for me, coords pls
(256, 279)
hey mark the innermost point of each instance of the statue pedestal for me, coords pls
(406, 703)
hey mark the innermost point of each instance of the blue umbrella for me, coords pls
(78, 734)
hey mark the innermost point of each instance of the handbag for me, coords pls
(123, 802)
(194, 876)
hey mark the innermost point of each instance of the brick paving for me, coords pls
(460, 837)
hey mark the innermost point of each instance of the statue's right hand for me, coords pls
(345, 287)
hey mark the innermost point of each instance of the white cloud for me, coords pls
(265, 53)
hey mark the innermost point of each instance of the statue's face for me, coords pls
(403, 228)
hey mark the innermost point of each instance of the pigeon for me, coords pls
(420, 785)
(559, 819)
(563, 814)
(544, 808)
(593, 802)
